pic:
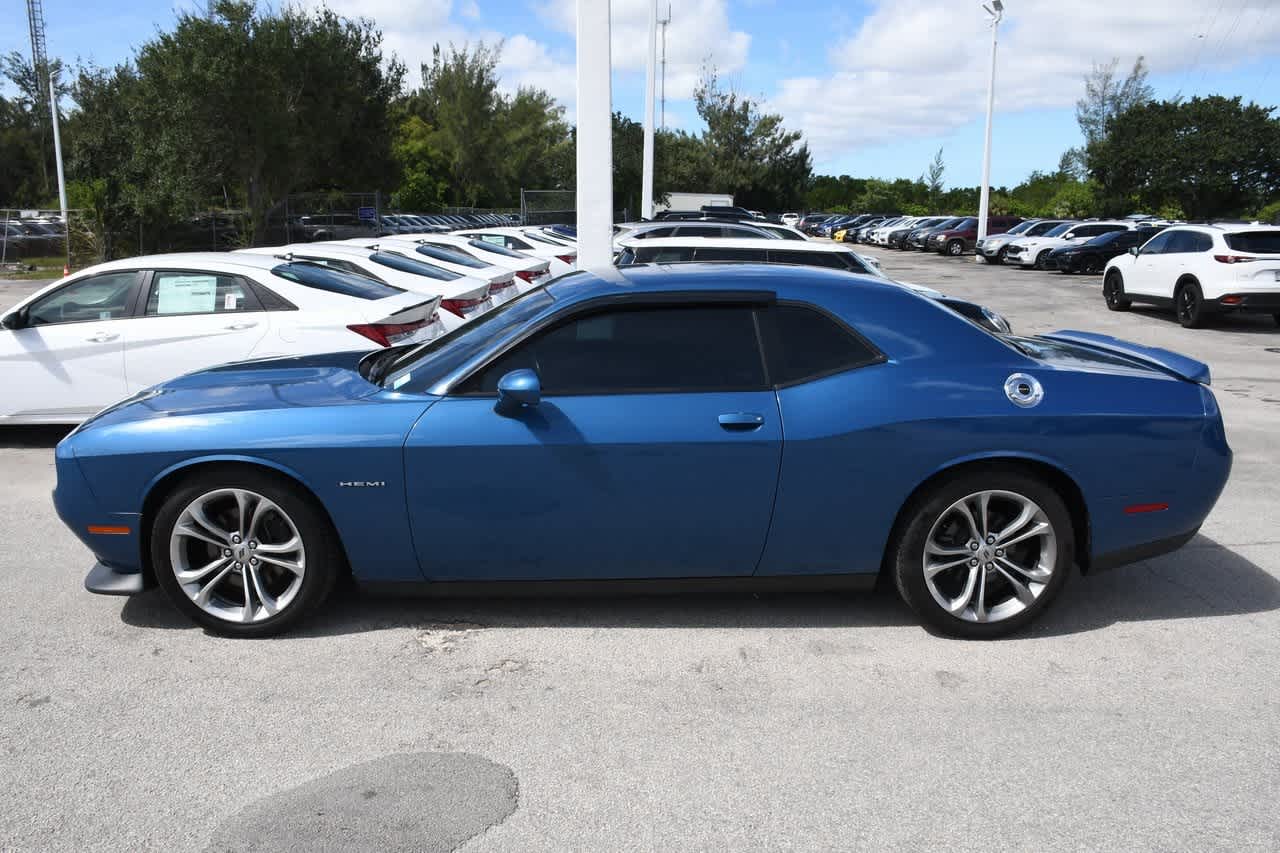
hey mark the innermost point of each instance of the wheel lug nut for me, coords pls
(990, 566)
(235, 539)
(253, 544)
(974, 561)
(253, 561)
(226, 552)
(999, 552)
(973, 546)
(239, 566)
(991, 540)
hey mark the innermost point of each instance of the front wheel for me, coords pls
(1001, 255)
(1113, 292)
(983, 554)
(1090, 265)
(244, 553)
(1042, 259)
(955, 248)
(1189, 303)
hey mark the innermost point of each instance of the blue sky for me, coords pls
(876, 86)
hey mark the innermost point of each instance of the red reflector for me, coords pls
(1135, 509)
(383, 333)
(1233, 259)
(1231, 300)
(457, 306)
(108, 530)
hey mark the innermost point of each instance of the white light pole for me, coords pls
(595, 137)
(650, 78)
(62, 181)
(996, 11)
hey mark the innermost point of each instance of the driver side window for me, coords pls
(100, 297)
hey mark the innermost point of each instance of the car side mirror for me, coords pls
(14, 320)
(517, 389)
(1133, 250)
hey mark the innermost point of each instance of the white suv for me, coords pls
(1034, 251)
(1200, 270)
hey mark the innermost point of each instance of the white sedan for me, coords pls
(529, 271)
(504, 284)
(462, 297)
(117, 328)
(528, 242)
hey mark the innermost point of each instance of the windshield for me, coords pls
(417, 368)
(452, 256)
(1059, 230)
(409, 265)
(1021, 227)
(334, 281)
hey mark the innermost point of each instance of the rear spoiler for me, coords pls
(1170, 362)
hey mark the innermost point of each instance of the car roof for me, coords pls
(196, 259)
(732, 243)
(709, 277)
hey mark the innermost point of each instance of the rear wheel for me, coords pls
(1189, 304)
(1276, 317)
(244, 553)
(983, 554)
(1113, 292)
(955, 248)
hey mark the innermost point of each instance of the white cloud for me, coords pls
(699, 33)
(919, 67)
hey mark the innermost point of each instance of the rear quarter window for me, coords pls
(808, 344)
(1256, 242)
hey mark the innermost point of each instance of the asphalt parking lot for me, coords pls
(1142, 713)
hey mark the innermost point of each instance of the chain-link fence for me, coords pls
(555, 207)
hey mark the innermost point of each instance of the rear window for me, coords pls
(452, 256)
(334, 281)
(831, 260)
(496, 249)
(1258, 242)
(409, 265)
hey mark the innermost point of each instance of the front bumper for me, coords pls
(105, 580)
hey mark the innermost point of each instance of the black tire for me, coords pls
(1090, 265)
(1001, 256)
(1042, 258)
(955, 248)
(907, 551)
(1113, 292)
(324, 556)
(1276, 317)
(1188, 303)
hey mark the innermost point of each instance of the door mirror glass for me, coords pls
(519, 388)
(1133, 250)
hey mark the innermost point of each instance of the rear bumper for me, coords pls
(1264, 301)
(105, 580)
(1145, 551)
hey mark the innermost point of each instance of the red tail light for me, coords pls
(531, 275)
(458, 306)
(568, 259)
(1233, 259)
(383, 334)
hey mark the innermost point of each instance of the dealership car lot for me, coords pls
(1139, 714)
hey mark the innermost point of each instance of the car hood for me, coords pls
(1042, 242)
(328, 379)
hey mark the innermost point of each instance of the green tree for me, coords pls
(251, 105)
(1177, 153)
(1106, 96)
(423, 167)
(932, 178)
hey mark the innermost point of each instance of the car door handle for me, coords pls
(237, 327)
(102, 338)
(741, 421)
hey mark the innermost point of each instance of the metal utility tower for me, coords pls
(663, 86)
(39, 58)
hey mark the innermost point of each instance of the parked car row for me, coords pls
(118, 328)
(28, 238)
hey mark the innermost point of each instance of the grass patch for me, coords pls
(44, 268)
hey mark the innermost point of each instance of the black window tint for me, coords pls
(715, 253)
(175, 293)
(1180, 242)
(698, 231)
(811, 344)
(653, 234)
(1203, 242)
(334, 263)
(409, 265)
(99, 297)
(831, 260)
(1157, 244)
(453, 256)
(335, 281)
(496, 249)
(1258, 242)
(639, 350)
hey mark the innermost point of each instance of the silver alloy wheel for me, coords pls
(990, 556)
(237, 555)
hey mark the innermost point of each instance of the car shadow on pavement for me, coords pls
(33, 436)
(1248, 323)
(1204, 579)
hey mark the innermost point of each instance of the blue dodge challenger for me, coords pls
(762, 424)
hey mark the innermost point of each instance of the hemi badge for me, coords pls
(1140, 508)
(361, 484)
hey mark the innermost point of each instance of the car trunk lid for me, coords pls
(1164, 360)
